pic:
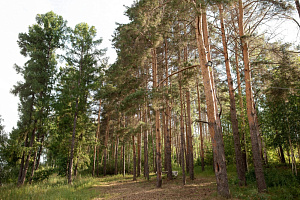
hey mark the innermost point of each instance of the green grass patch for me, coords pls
(55, 188)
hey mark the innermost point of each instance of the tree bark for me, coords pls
(189, 131)
(234, 122)
(157, 123)
(251, 113)
(200, 128)
(116, 155)
(214, 122)
(182, 136)
(146, 165)
(241, 102)
(139, 161)
(134, 159)
(168, 154)
(105, 146)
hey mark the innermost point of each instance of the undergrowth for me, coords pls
(54, 188)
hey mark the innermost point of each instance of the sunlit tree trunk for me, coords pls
(234, 122)
(214, 122)
(251, 113)
(200, 128)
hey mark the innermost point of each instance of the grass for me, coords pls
(53, 188)
(282, 184)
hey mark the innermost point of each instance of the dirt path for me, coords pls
(200, 188)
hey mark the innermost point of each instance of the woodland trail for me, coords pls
(200, 188)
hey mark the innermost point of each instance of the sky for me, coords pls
(17, 15)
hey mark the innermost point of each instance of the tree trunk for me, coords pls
(251, 113)
(189, 131)
(116, 155)
(168, 154)
(234, 122)
(124, 166)
(33, 167)
(105, 146)
(294, 167)
(282, 158)
(187, 147)
(24, 172)
(214, 122)
(157, 122)
(139, 161)
(96, 139)
(146, 165)
(134, 159)
(200, 128)
(241, 102)
(182, 136)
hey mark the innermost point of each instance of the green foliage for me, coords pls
(43, 174)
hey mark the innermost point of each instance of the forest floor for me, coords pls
(125, 188)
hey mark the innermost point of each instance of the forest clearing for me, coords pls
(199, 87)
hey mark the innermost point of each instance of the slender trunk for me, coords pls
(294, 167)
(234, 122)
(200, 128)
(134, 159)
(146, 165)
(164, 130)
(40, 152)
(214, 122)
(96, 139)
(139, 161)
(72, 144)
(124, 166)
(157, 122)
(76, 167)
(153, 151)
(116, 155)
(189, 131)
(168, 155)
(251, 113)
(187, 147)
(33, 167)
(105, 146)
(241, 102)
(182, 136)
